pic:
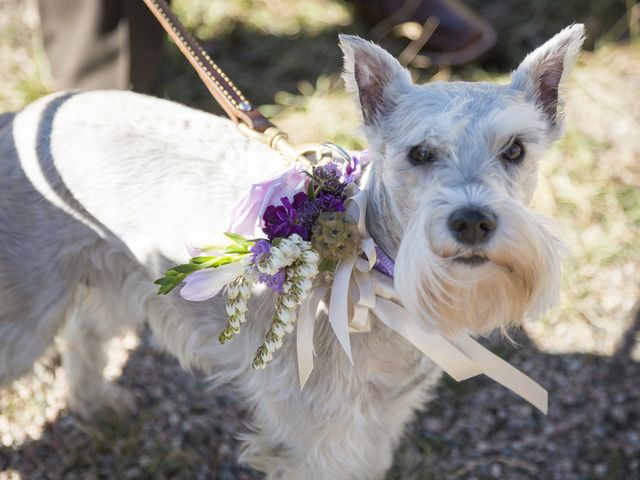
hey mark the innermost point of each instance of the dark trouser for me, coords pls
(94, 44)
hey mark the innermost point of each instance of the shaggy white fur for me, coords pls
(99, 192)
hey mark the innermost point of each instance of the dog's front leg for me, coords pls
(344, 425)
(90, 325)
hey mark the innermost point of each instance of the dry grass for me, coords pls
(592, 185)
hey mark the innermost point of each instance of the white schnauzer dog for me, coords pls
(100, 190)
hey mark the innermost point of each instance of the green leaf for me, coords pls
(176, 275)
(168, 283)
(311, 193)
(236, 249)
(315, 179)
(201, 260)
(171, 272)
(188, 268)
(239, 239)
(223, 260)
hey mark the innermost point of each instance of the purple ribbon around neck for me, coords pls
(384, 263)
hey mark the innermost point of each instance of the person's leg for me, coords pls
(146, 37)
(85, 41)
(96, 44)
(460, 36)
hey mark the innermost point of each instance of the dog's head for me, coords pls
(454, 166)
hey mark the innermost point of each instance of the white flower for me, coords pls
(245, 290)
(301, 263)
(278, 330)
(204, 284)
(310, 256)
(233, 289)
(238, 294)
(304, 285)
(288, 302)
(266, 356)
(308, 270)
(285, 315)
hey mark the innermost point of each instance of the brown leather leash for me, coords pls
(246, 116)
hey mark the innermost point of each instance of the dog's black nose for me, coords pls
(472, 225)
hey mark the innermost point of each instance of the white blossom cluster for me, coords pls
(238, 294)
(283, 254)
(301, 266)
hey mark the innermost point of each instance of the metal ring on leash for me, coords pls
(333, 151)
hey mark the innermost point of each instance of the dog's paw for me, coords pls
(111, 400)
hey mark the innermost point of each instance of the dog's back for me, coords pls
(93, 185)
(28, 315)
(34, 291)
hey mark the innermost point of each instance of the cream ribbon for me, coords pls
(359, 291)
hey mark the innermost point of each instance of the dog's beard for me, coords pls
(520, 277)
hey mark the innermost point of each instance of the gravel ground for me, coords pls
(472, 430)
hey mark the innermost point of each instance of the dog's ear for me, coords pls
(374, 75)
(542, 72)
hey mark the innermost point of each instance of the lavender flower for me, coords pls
(308, 210)
(261, 252)
(353, 170)
(329, 178)
(274, 282)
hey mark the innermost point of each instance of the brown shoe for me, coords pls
(459, 37)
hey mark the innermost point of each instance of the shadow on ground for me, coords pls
(260, 64)
(471, 430)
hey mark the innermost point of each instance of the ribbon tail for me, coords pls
(504, 373)
(304, 333)
(339, 303)
(446, 355)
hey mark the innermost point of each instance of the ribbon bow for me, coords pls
(360, 292)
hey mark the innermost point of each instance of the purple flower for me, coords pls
(251, 208)
(274, 282)
(330, 203)
(329, 178)
(280, 221)
(307, 210)
(299, 200)
(353, 170)
(260, 251)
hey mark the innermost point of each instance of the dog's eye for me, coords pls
(514, 153)
(420, 155)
